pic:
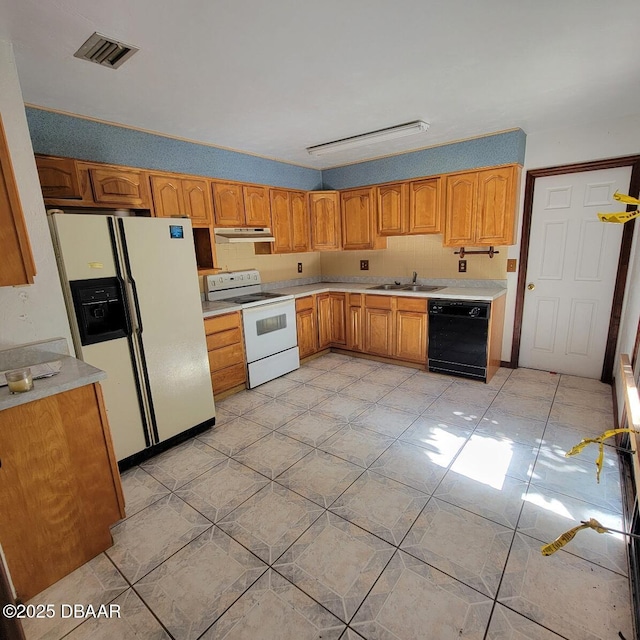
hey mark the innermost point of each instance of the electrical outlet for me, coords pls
(511, 265)
(299, 267)
(364, 265)
(462, 266)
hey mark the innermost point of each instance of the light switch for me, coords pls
(511, 265)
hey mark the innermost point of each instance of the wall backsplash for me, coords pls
(283, 266)
(405, 254)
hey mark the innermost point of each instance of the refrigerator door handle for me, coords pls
(138, 331)
(136, 304)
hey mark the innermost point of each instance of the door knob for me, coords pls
(531, 286)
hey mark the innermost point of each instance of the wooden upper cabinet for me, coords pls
(281, 217)
(324, 216)
(167, 196)
(392, 209)
(290, 221)
(238, 205)
(299, 221)
(481, 207)
(197, 201)
(228, 204)
(497, 198)
(462, 193)
(119, 187)
(425, 206)
(256, 206)
(174, 196)
(58, 177)
(17, 265)
(357, 207)
(410, 207)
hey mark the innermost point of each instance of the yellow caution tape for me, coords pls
(622, 216)
(560, 541)
(600, 442)
(620, 197)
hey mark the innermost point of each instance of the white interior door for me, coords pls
(571, 271)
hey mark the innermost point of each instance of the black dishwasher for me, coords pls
(458, 331)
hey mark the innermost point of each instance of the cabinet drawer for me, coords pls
(412, 304)
(355, 299)
(378, 302)
(225, 357)
(304, 303)
(222, 323)
(224, 339)
(228, 378)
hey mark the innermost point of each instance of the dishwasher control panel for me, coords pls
(460, 308)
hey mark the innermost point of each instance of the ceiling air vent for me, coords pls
(105, 51)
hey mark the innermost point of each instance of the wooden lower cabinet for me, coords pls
(225, 345)
(355, 313)
(394, 327)
(411, 330)
(378, 325)
(307, 326)
(331, 320)
(60, 487)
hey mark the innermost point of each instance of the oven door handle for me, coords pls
(269, 307)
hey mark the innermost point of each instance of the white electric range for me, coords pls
(269, 323)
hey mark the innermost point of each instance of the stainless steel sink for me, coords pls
(420, 287)
(387, 287)
(406, 287)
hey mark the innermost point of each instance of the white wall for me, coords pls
(597, 141)
(34, 312)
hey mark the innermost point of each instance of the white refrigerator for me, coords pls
(133, 299)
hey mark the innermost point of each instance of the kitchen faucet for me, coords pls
(415, 275)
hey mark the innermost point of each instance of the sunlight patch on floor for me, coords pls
(485, 460)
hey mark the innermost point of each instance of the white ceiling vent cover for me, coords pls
(105, 51)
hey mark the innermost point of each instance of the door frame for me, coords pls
(623, 259)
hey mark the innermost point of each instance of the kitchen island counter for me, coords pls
(73, 373)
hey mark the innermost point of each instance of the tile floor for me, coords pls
(352, 499)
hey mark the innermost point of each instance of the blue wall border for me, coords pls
(487, 151)
(59, 134)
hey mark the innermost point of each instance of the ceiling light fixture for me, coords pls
(365, 139)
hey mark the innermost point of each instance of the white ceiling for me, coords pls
(274, 77)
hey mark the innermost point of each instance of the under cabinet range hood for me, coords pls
(254, 234)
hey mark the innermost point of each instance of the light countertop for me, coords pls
(73, 373)
(488, 294)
